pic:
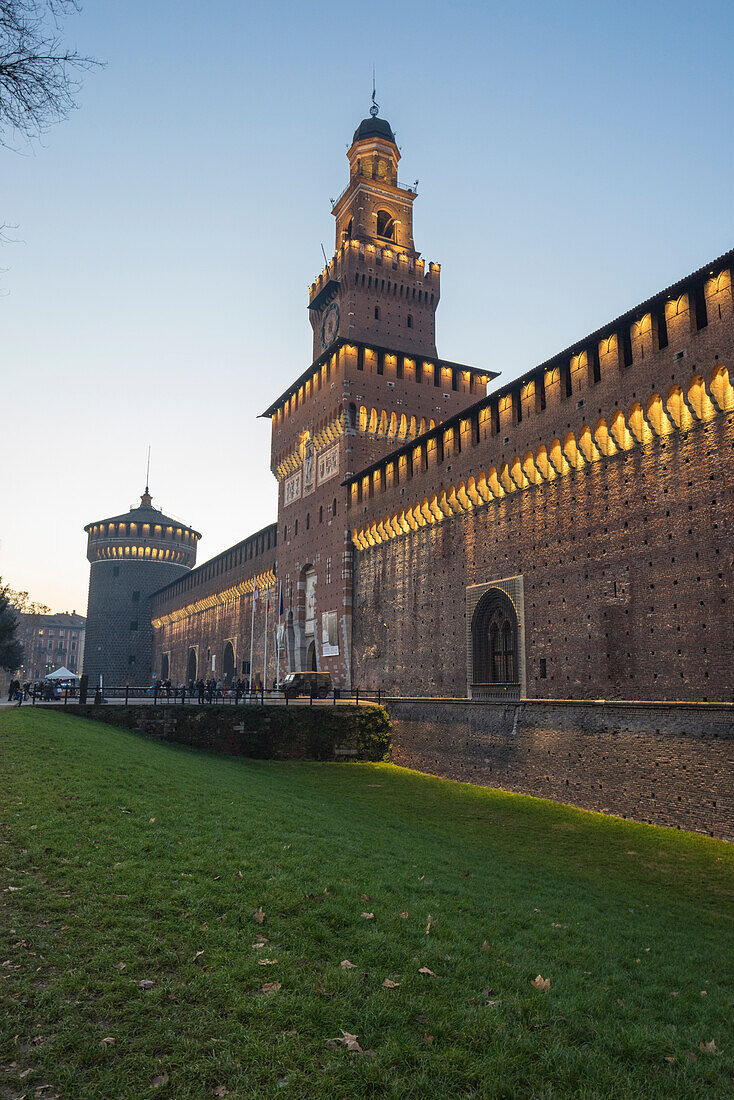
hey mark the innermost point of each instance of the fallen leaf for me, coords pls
(266, 962)
(146, 984)
(428, 925)
(485, 946)
(543, 984)
(198, 955)
(427, 1039)
(387, 984)
(670, 1058)
(404, 914)
(152, 820)
(708, 1048)
(108, 1042)
(425, 970)
(691, 1056)
(704, 992)
(421, 877)
(322, 990)
(238, 874)
(159, 1081)
(345, 964)
(270, 987)
(365, 897)
(260, 942)
(120, 966)
(350, 1041)
(258, 916)
(220, 1090)
(368, 916)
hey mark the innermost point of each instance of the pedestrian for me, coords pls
(200, 689)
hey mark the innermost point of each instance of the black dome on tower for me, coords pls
(374, 127)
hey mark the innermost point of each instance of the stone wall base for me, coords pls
(663, 763)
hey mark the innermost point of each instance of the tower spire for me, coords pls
(146, 500)
(375, 108)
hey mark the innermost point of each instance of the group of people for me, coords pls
(208, 691)
(44, 690)
(211, 690)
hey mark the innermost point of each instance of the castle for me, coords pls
(564, 536)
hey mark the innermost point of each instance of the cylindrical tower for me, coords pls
(131, 556)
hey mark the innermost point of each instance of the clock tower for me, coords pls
(376, 287)
(375, 384)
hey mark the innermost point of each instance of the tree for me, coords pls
(38, 73)
(11, 651)
(23, 603)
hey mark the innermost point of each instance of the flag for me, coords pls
(255, 595)
(267, 598)
(281, 599)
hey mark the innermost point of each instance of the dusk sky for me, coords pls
(573, 159)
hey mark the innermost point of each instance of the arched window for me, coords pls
(385, 225)
(410, 320)
(347, 231)
(352, 415)
(494, 640)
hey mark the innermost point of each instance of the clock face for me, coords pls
(329, 325)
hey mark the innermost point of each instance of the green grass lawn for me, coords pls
(128, 861)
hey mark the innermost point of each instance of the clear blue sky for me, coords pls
(573, 158)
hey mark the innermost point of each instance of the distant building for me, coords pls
(132, 555)
(50, 641)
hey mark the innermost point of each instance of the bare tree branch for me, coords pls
(39, 75)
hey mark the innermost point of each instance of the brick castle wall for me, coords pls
(627, 570)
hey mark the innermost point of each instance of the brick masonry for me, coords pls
(663, 763)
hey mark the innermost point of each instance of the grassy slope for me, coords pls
(640, 968)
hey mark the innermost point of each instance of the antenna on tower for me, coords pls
(375, 108)
(147, 472)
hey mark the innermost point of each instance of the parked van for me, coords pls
(316, 684)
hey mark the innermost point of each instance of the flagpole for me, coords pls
(252, 628)
(277, 633)
(265, 659)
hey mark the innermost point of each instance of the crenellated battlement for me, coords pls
(373, 257)
(644, 372)
(698, 401)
